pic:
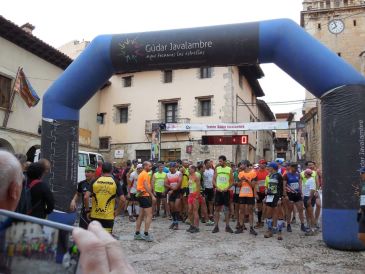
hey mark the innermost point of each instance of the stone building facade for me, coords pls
(340, 25)
(42, 64)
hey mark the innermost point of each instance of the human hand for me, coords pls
(99, 251)
(73, 205)
(153, 199)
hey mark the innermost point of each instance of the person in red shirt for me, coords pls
(98, 170)
(262, 173)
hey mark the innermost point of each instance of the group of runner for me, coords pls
(194, 194)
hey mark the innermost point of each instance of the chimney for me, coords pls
(28, 27)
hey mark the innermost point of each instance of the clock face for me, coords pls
(336, 26)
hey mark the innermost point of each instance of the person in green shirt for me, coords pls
(159, 179)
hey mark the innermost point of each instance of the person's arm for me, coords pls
(230, 180)
(119, 200)
(312, 190)
(73, 204)
(48, 198)
(147, 188)
(215, 179)
(285, 183)
(153, 179)
(100, 252)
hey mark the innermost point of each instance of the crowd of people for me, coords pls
(278, 193)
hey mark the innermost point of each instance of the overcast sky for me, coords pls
(58, 22)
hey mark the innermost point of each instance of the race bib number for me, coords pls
(222, 179)
(161, 183)
(273, 189)
(269, 198)
(173, 184)
(246, 191)
(294, 186)
(362, 200)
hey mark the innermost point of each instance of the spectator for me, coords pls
(22, 205)
(41, 196)
(11, 181)
(98, 170)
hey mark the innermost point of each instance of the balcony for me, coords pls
(153, 124)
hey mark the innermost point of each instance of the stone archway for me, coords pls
(4, 144)
(31, 152)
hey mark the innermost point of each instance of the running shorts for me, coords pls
(222, 198)
(193, 197)
(209, 194)
(145, 201)
(246, 200)
(295, 197)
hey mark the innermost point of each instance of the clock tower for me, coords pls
(340, 25)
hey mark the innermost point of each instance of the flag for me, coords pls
(23, 87)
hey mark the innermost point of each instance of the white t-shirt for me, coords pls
(133, 178)
(208, 178)
(309, 185)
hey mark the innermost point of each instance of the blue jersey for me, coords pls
(292, 182)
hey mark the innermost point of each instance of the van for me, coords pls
(86, 158)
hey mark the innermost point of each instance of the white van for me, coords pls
(86, 158)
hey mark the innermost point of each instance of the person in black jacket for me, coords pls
(41, 196)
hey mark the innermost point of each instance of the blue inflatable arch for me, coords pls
(340, 87)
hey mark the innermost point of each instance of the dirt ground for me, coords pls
(204, 252)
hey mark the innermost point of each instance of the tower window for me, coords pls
(319, 26)
(339, 54)
(354, 22)
(345, 3)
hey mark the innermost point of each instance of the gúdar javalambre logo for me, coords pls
(130, 49)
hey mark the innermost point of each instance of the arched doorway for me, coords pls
(31, 152)
(4, 144)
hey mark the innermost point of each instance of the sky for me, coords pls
(58, 22)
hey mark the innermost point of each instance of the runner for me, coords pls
(247, 184)
(208, 185)
(194, 199)
(309, 189)
(107, 198)
(82, 188)
(184, 189)
(316, 176)
(262, 173)
(275, 192)
(222, 181)
(159, 179)
(132, 191)
(294, 195)
(145, 199)
(173, 185)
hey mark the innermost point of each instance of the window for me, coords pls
(83, 160)
(122, 114)
(103, 144)
(93, 159)
(167, 76)
(143, 155)
(5, 89)
(100, 118)
(328, 4)
(205, 72)
(354, 22)
(321, 5)
(319, 26)
(337, 3)
(345, 3)
(171, 113)
(339, 54)
(205, 107)
(127, 81)
(170, 154)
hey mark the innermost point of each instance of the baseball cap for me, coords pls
(139, 166)
(362, 170)
(89, 169)
(308, 171)
(280, 161)
(273, 165)
(262, 162)
(172, 164)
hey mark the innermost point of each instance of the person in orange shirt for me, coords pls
(145, 199)
(247, 183)
(262, 173)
